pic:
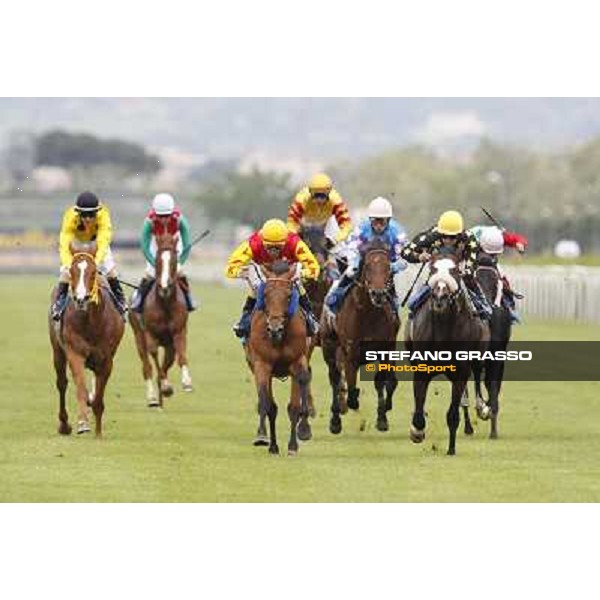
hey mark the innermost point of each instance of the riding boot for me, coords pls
(58, 308)
(185, 288)
(338, 292)
(311, 321)
(117, 290)
(508, 301)
(137, 304)
(482, 306)
(242, 327)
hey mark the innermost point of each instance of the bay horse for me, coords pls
(445, 322)
(367, 314)
(278, 347)
(87, 337)
(163, 324)
(490, 280)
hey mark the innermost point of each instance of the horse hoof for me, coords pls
(388, 405)
(167, 390)
(451, 452)
(483, 411)
(64, 429)
(417, 435)
(292, 452)
(304, 432)
(261, 440)
(274, 449)
(343, 408)
(469, 429)
(153, 403)
(382, 425)
(353, 403)
(83, 427)
(335, 425)
(187, 387)
(494, 435)
(312, 413)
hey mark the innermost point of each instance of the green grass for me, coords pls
(199, 448)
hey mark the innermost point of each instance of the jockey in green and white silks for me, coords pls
(492, 241)
(378, 226)
(163, 218)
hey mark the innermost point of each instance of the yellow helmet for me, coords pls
(320, 183)
(274, 231)
(451, 223)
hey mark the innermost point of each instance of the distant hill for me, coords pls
(322, 128)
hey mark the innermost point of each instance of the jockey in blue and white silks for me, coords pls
(378, 226)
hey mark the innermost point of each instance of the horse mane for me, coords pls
(375, 244)
(279, 267)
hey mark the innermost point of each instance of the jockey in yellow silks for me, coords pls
(87, 221)
(272, 243)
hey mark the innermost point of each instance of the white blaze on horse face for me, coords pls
(165, 257)
(442, 276)
(80, 291)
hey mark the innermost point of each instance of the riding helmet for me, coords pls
(87, 202)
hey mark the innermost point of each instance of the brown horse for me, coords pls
(445, 322)
(278, 347)
(163, 323)
(87, 337)
(366, 315)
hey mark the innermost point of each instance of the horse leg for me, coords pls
(353, 392)
(382, 422)
(267, 406)
(299, 405)
(417, 428)
(142, 350)
(262, 439)
(168, 360)
(77, 366)
(453, 414)
(60, 366)
(329, 355)
(493, 383)
(152, 346)
(98, 403)
(180, 341)
(464, 402)
(483, 410)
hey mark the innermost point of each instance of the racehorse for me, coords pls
(445, 322)
(163, 323)
(87, 337)
(491, 283)
(278, 347)
(367, 314)
(317, 290)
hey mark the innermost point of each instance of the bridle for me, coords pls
(92, 295)
(276, 331)
(376, 296)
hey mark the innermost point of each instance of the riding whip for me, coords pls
(199, 238)
(131, 285)
(413, 285)
(492, 219)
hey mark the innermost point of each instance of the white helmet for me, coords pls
(380, 208)
(163, 204)
(492, 240)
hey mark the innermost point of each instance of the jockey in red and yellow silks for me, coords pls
(315, 204)
(272, 243)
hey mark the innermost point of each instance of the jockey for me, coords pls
(273, 242)
(87, 221)
(492, 241)
(164, 217)
(379, 225)
(449, 233)
(315, 204)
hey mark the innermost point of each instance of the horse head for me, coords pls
(489, 278)
(444, 281)
(166, 264)
(83, 275)
(376, 272)
(279, 279)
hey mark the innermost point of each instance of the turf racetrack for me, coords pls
(199, 447)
